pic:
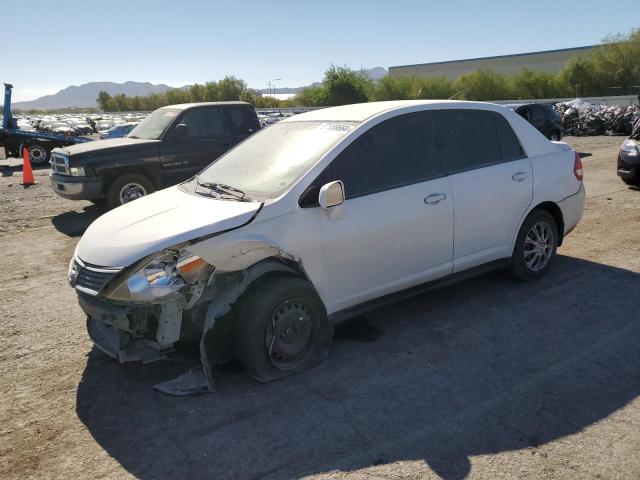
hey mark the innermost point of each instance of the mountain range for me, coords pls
(85, 95)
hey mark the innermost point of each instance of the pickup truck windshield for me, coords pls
(152, 127)
(272, 159)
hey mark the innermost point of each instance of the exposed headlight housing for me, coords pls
(631, 147)
(169, 272)
(76, 171)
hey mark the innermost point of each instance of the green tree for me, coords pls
(532, 84)
(342, 86)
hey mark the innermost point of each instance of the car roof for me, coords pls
(360, 112)
(185, 106)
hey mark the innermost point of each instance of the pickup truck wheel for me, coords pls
(281, 328)
(555, 136)
(535, 246)
(38, 155)
(127, 188)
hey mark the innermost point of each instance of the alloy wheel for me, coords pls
(131, 192)
(538, 246)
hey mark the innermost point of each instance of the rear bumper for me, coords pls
(76, 188)
(572, 209)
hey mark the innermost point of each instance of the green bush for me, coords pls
(484, 85)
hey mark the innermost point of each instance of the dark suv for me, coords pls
(171, 145)
(541, 116)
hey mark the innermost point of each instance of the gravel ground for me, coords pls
(486, 379)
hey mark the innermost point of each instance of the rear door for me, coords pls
(206, 139)
(491, 180)
(396, 228)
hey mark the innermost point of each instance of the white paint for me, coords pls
(373, 245)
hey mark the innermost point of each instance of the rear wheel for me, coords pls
(281, 328)
(555, 136)
(535, 246)
(127, 188)
(38, 154)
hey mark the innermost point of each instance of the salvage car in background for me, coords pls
(629, 161)
(541, 116)
(317, 218)
(118, 131)
(172, 144)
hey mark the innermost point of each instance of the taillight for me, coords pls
(577, 167)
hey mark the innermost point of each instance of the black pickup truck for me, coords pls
(171, 145)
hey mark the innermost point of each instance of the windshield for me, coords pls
(152, 127)
(272, 159)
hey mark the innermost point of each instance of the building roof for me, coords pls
(541, 52)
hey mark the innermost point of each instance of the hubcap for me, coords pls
(131, 192)
(37, 154)
(289, 334)
(538, 246)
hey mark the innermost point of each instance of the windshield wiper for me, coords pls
(132, 136)
(221, 188)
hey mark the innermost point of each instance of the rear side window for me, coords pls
(470, 139)
(204, 122)
(242, 120)
(397, 152)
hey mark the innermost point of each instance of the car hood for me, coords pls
(158, 221)
(100, 147)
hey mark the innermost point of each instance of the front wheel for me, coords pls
(535, 246)
(555, 136)
(281, 328)
(127, 188)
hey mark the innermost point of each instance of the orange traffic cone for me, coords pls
(27, 173)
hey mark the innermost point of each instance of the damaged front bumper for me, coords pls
(148, 332)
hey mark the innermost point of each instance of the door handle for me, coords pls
(435, 198)
(519, 176)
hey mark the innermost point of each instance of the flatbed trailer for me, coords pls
(39, 144)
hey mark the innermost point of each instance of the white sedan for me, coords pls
(320, 217)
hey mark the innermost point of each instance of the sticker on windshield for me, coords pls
(336, 127)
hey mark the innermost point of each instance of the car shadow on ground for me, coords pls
(9, 170)
(74, 224)
(485, 366)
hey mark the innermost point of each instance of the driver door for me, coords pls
(395, 229)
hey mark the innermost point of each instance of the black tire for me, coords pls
(631, 182)
(523, 265)
(117, 192)
(38, 154)
(555, 136)
(269, 341)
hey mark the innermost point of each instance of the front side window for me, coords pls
(204, 122)
(397, 152)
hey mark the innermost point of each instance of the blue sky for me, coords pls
(51, 44)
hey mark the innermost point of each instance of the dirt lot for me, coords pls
(486, 379)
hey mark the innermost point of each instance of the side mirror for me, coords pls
(181, 130)
(331, 194)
